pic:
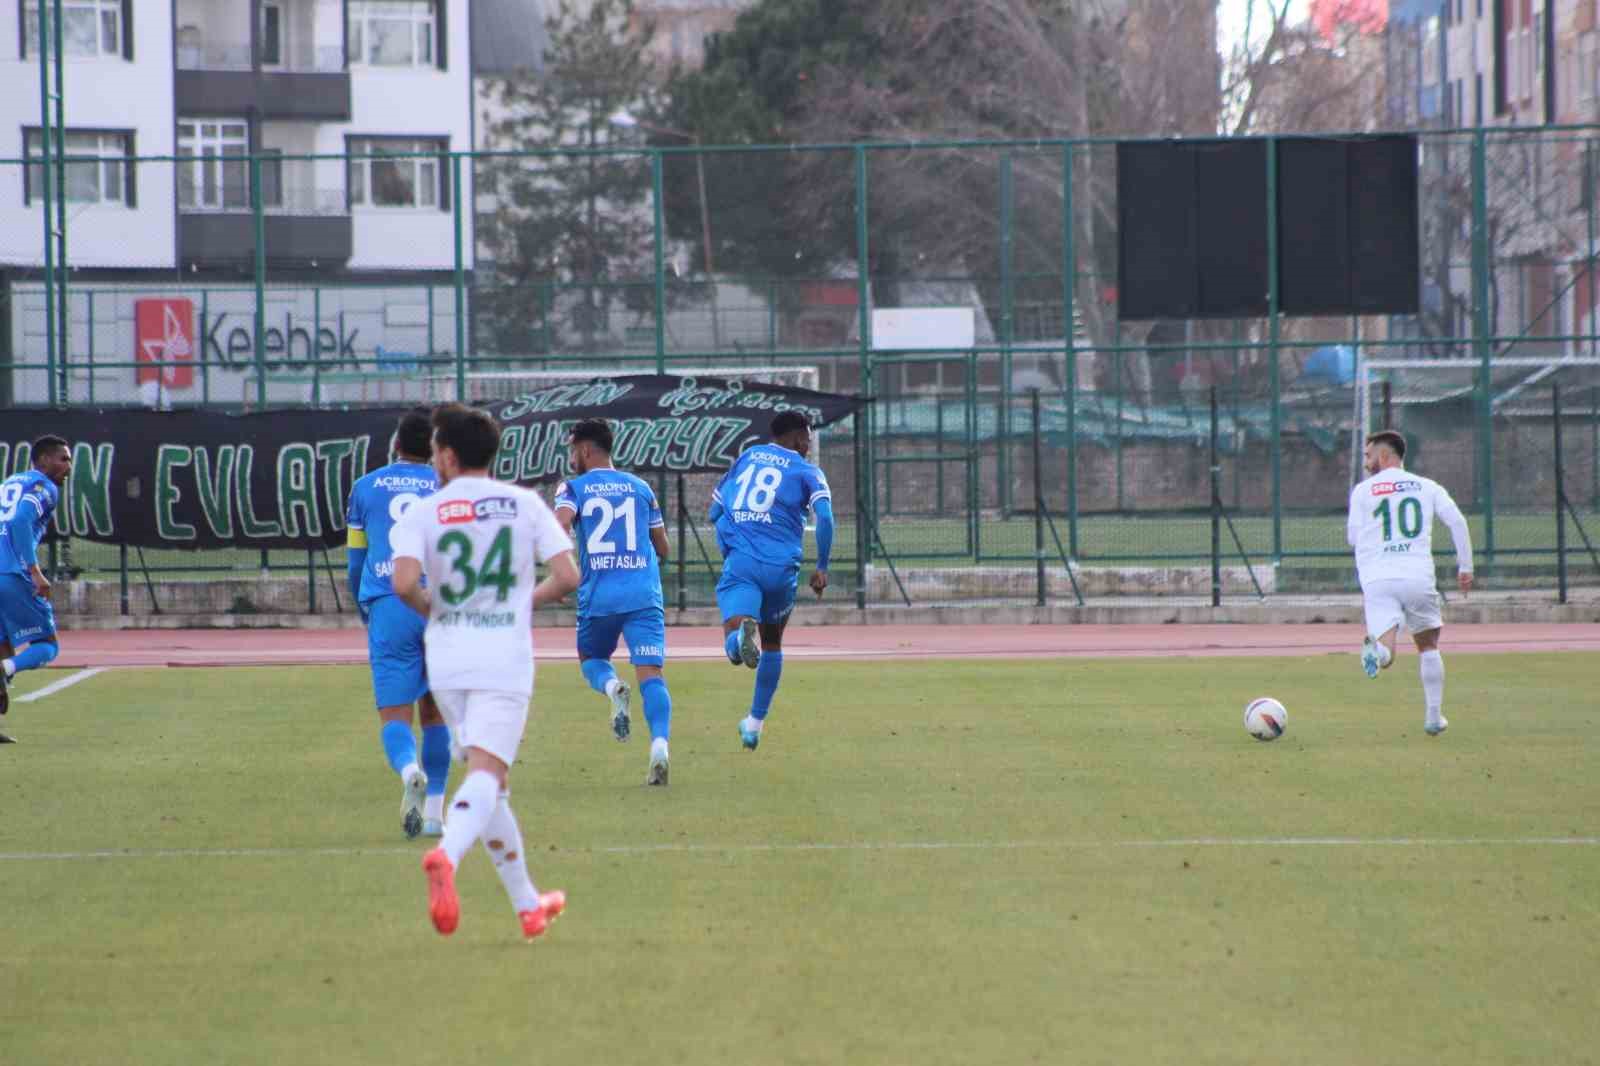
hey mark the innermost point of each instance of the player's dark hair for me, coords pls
(786, 422)
(472, 434)
(46, 445)
(1391, 438)
(414, 434)
(596, 431)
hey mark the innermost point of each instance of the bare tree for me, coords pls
(1008, 70)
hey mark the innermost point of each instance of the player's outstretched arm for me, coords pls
(408, 584)
(355, 553)
(658, 541)
(561, 579)
(1445, 509)
(823, 509)
(23, 535)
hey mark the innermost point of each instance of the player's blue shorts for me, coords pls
(394, 648)
(24, 616)
(645, 631)
(764, 591)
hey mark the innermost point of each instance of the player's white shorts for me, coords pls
(1413, 603)
(484, 718)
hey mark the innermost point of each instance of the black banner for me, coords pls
(280, 479)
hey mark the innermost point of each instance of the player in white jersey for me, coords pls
(1390, 526)
(477, 540)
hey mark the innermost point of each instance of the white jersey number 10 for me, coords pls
(1410, 515)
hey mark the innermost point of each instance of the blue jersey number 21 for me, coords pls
(597, 543)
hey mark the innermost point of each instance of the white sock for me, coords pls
(1385, 656)
(1431, 665)
(752, 724)
(503, 838)
(658, 749)
(470, 811)
(408, 769)
(9, 666)
(612, 686)
(433, 808)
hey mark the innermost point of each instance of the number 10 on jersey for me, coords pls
(1410, 514)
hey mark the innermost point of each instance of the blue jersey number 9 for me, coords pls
(10, 495)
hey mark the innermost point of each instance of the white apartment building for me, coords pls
(359, 252)
(1514, 64)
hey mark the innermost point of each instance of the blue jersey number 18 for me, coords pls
(758, 488)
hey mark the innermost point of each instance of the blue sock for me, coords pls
(730, 644)
(657, 707)
(597, 672)
(399, 745)
(767, 674)
(36, 655)
(436, 757)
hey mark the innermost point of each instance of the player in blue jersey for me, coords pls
(759, 509)
(394, 631)
(27, 621)
(605, 511)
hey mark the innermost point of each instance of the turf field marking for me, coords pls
(903, 845)
(66, 682)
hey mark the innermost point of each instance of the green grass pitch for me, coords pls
(926, 862)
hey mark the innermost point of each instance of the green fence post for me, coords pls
(1589, 182)
(460, 280)
(1274, 382)
(660, 261)
(772, 316)
(864, 329)
(1069, 285)
(1002, 438)
(259, 218)
(205, 362)
(1481, 329)
(316, 356)
(1119, 418)
(974, 528)
(63, 317)
(88, 299)
(48, 191)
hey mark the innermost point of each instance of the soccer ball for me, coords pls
(1265, 718)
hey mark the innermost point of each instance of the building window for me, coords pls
(271, 33)
(213, 171)
(397, 172)
(88, 27)
(107, 178)
(1588, 67)
(392, 33)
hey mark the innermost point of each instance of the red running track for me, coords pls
(259, 647)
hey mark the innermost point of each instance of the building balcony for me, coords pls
(303, 224)
(293, 65)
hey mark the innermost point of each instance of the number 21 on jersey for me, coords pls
(599, 542)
